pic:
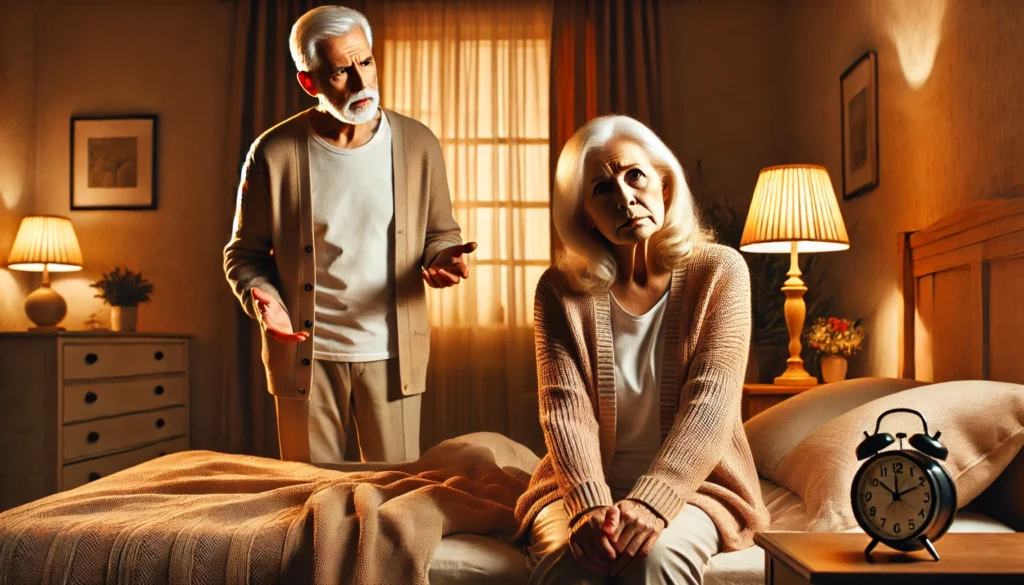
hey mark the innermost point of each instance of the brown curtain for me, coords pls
(607, 57)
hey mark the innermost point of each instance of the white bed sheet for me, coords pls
(470, 559)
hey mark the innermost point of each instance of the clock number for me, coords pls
(910, 524)
(921, 512)
(897, 468)
(883, 522)
(896, 528)
(911, 471)
(867, 497)
(872, 512)
(874, 482)
(920, 482)
(927, 497)
(885, 471)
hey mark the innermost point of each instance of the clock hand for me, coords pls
(886, 488)
(896, 478)
(907, 491)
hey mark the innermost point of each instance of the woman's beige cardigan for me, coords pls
(705, 459)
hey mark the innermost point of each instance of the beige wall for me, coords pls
(723, 93)
(170, 58)
(17, 148)
(951, 128)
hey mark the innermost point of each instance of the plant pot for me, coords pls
(124, 318)
(833, 368)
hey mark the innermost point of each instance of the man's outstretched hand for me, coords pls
(448, 267)
(274, 318)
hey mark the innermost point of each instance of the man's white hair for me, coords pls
(587, 259)
(320, 24)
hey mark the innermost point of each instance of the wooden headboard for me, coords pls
(962, 282)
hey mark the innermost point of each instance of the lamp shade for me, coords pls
(794, 203)
(45, 241)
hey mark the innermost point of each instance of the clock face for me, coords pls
(896, 498)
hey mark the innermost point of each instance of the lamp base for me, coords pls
(45, 307)
(795, 310)
(796, 379)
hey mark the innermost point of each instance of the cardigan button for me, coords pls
(309, 249)
(308, 287)
(305, 361)
(308, 323)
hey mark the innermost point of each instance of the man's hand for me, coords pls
(274, 318)
(589, 542)
(448, 267)
(634, 535)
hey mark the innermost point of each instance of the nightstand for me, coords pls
(821, 558)
(77, 406)
(758, 397)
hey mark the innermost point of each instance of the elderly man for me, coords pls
(342, 210)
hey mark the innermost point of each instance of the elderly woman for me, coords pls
(642, 333)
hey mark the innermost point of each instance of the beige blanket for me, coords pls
(204, 517)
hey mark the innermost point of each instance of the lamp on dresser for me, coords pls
(794, 209)
(45, 243)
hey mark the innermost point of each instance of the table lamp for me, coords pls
(794, 209)
(46, 244)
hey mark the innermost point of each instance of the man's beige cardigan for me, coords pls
(272, 243)
(704, 458)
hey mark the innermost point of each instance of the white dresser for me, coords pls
(77, 406)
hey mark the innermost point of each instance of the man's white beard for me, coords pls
(350, 115)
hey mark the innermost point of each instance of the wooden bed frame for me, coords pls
(962, 284)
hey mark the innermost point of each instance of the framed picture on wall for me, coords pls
(859, 93)
(113, 162)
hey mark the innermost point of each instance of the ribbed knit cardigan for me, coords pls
(704, 459)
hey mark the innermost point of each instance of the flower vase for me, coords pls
(833, 368)
(124, 318)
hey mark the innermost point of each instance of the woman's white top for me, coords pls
(637, 341)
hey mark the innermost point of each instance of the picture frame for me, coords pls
(858, 90)
(114, 162)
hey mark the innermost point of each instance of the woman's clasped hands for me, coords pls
(612, 540)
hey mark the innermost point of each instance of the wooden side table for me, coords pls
(820, 558)
(758, 397)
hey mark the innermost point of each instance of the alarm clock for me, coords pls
(903, 498)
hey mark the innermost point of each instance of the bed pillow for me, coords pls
(982, 425)
(773, 433)
(1004, 499)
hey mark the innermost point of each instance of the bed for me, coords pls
(963, 273)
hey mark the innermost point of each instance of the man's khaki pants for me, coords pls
(387, 423)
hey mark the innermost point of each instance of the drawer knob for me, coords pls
(90, 397)
(93, 437)
(93, 476)
(158, 355)
(160, 423)
(91, 358)
(158, 390)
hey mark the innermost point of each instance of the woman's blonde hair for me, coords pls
(587, 259)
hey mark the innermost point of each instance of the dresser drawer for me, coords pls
(89, 400)
(112, 360)
(82, 473)
(112, 434)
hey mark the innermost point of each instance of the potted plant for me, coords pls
(834, 340)
(123, 291)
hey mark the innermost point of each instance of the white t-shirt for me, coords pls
(638, 347)
(353, 213)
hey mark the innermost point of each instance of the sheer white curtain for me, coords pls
(477, 74)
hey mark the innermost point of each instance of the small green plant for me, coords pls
(123, 289)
